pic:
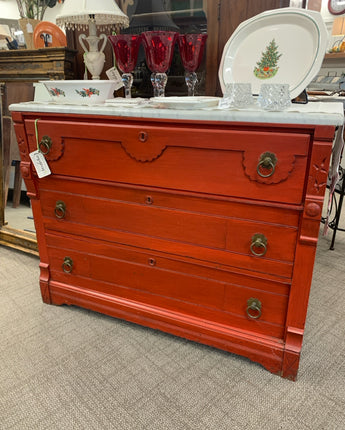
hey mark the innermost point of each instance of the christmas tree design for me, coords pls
(267, 66)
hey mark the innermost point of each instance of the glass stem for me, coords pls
(159, 81)
(191, 79)
(127, 79)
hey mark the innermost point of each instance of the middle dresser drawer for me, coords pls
(221, 232)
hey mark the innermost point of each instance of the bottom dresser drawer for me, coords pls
(158, 279)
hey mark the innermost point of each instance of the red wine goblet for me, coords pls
(192, 48)
(159, 49)
(126, 49)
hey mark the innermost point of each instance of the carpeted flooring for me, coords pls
(69, 368)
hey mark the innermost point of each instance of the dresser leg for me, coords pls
(293, 346)
(290, 365)
(44, 282)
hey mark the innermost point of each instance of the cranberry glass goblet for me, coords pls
(191, 50)
(159, 49)
(126, 49)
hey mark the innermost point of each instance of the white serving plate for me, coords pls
(123, 100)
(184, 102)
(126, 103)
(301, 37)
(80, 91)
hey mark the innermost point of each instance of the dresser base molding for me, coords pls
(266, 351)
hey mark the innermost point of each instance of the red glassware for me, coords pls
(192, 48)
(159, 49)
(126, 49)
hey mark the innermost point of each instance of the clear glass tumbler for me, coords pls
(237, 95)
(274, 97)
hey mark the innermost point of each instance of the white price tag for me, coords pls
(114, 75)
(40, 163)
(29, 28)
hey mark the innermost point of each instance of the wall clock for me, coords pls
(336, 7)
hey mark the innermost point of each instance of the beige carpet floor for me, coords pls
(69, 368)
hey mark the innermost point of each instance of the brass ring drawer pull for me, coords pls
(267, 162)
(259, 241)
(67, 265)
(254, 308)
(60, 209)
(45, 145)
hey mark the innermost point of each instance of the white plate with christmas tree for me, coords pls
(280, 46)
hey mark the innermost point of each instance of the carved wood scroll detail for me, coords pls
(318, 176)
(22, 148)
(21, 140)
(284, 166)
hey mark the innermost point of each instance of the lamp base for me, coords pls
(93, 58)
(94, 62)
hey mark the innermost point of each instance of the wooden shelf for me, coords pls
(335, 56)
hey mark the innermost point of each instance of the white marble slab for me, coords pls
(322, 113)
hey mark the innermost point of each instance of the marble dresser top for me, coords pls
(322, 113)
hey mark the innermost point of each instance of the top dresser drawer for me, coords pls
(221, 160)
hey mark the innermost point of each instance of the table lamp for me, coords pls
(151, 16)
(80, 14)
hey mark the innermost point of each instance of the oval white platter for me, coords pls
(300, 40)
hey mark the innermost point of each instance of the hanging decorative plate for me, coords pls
(54, 36)
(283, 46)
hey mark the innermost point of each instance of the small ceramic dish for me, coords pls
(80, 92)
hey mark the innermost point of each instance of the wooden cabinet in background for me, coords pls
(19, 70)
(33, 65)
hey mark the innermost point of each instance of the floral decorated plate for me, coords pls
(283, 46)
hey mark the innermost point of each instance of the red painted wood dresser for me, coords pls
(203, 224)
